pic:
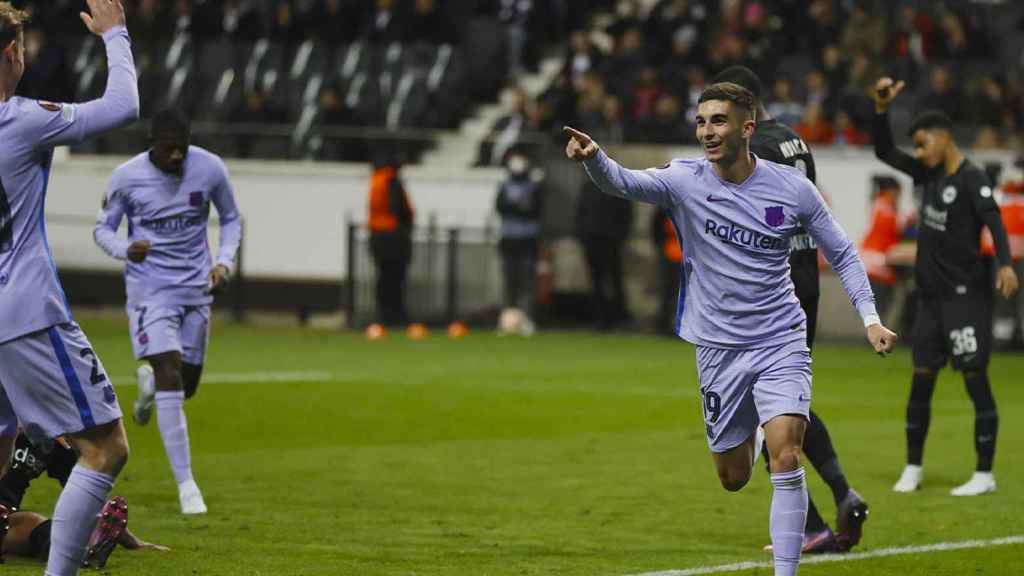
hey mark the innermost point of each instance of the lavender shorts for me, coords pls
(159, 329)
(53, 384)
(742, 389)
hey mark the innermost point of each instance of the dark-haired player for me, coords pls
(779, 143)
(735, 215)
(28, 533)
(954, 315)
(170, 275)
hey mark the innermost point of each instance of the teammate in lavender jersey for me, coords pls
(734, 214)
(52, 380)
(166, 193)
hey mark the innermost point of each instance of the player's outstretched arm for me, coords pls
(886, 90)
(119, 104)
(611, 178)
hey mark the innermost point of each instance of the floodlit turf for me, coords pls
(566, 454)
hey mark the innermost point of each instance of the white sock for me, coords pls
(74, 519)
(170, 417)
(788, 517)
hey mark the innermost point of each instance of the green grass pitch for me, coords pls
(568, 454)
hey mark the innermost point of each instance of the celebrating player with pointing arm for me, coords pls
(735, 214)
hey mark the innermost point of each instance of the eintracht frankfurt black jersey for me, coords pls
(951, 214)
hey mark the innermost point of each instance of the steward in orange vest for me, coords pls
(390, 223)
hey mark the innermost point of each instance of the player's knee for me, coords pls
(733, 479)
(785, 459)
(105, 451)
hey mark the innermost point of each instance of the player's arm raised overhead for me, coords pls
(223, 198)
(613, 179)
(842, 255)
(884, 93)
(119, 104)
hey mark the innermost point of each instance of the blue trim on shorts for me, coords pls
(69, 374)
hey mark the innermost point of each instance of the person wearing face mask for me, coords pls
(519, 203)
(170, 274)
(954, 310)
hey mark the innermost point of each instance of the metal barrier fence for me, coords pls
(454, 274)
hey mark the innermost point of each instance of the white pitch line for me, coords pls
(251, 377)
(881, 552)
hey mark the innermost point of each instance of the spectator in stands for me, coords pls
(823, 26)
(670, 256)
(696, 78)
(644, 95)
(384, 24)
(285, 28)
(602, 226)
(957, 41)
(611, 127)
(943, 94)
(686, 52)
(784, 106)
(846, 133)
(242, 21)
(674, 27)
(993, 106)
(47, 75)
(428, 24)
(627, 58)
(151, 27)
(507, 131)
(913, 38)
(390, 223)
(518, 18)
(519, 203)
(814, 127)
(582, 56)
(818, 92)
(627, 16)
(666, 126)
(254, 108)
(335, 24)
(865, 30)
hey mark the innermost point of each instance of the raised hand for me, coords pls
(103, 15)
(881, 338)
(580, 146)
(885, 91)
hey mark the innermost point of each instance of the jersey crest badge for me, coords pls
(948, 194)
(773, 216)
(195, 199)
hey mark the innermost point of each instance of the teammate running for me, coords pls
(166, 193)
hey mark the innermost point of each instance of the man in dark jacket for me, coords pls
(602, 226)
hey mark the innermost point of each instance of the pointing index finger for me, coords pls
(577, 135)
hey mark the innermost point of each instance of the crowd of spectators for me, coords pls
(631, 75)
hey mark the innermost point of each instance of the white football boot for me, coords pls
(142, 410)
(980, 483)
(910, 480)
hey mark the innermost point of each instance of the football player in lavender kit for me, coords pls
(735, 214)
(165, 193)
(52, 380)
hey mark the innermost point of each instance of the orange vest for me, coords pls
(670, 246)
(382, 219)
(1011, 205)
(883, 234)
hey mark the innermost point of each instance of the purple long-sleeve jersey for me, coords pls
(735, 290)
(31, 297)
(171, 211)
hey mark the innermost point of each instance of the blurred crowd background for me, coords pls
(325, 76)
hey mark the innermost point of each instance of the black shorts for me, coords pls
(803, 266)
(960, 328)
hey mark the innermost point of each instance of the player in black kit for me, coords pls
(27, 534)
(954, 312)
(779, 143)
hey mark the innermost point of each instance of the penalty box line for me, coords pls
(851, 557)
